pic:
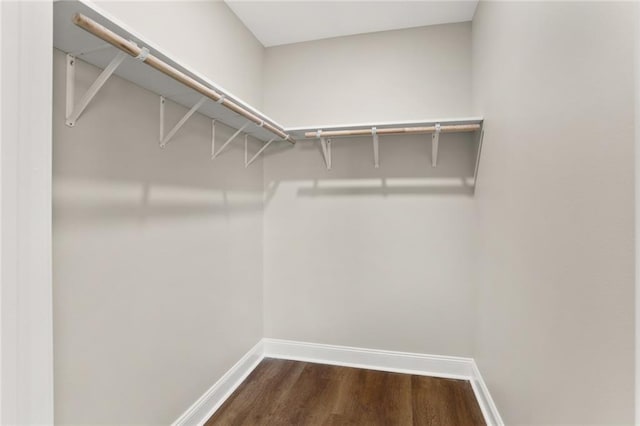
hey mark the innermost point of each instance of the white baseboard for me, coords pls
(398, 362)
(373, 359)
(207, 404)
(488, 407)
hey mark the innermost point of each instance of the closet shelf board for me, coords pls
(72, 39)
(299, 132)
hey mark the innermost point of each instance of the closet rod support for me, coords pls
(435, 138)
(224, 145)
(479, 152)
(248, 163)
(246, 149)
(213, 138)
(165, 139)
(376, 161)
(326, 151)
(74, 112)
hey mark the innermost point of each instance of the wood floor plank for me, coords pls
(377, 398)
(261, 390)
(438, 401)
(313, 399)
(281, 392)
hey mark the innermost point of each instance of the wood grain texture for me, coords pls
(282, 392)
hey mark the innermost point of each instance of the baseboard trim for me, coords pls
(374, 359)
(488, 407)
(399, 362)
(212, 399)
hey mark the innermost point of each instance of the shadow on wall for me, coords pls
(110, 165)
(404, 167)
(150, 246)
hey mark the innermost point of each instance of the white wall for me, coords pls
(637, 215)
(157, 253)
(555, 330)
(533, 276)
(205, 36)
(26, 367)
(378, 258)
(399, 75)
(157, 257)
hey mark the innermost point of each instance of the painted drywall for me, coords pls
(358, 256)
(555, 320)
(637, 215)
(157, 257)
(383, 258)
(411, 74)
(205, 36)
(26, 359)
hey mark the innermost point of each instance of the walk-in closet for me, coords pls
(318, 213)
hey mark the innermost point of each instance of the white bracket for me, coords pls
(248, 163)
(224, 145)
(475, 172)
(74, 112)
(434, 145)
(213, 137)
(326, 151)
(165, 139)
(376, 161)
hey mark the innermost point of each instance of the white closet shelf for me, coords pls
(79, 43)
(448, 125)
(434, 127)
(84, 31)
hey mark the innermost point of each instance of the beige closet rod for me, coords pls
(447, 128)
(132, 49)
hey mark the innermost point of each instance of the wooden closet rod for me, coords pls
(449, 128)
(132, 49)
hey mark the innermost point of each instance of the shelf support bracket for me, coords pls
(475, 172)
(248, 163)
(434, 145)
(376, 161)
(224, 145)
(246, 149)
(326, 150)
(164, 140)
(74, 112)
(213, 137)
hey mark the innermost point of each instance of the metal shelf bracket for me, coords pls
(248, 163)
(376, 161)
(213, 137)
(224, 145)
(165, 139)
(73, 112)
(434, 145)
(475, 172)
(326, 151)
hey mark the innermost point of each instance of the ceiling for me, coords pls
(283, 22)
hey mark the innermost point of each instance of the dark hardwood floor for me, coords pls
(280, 392)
